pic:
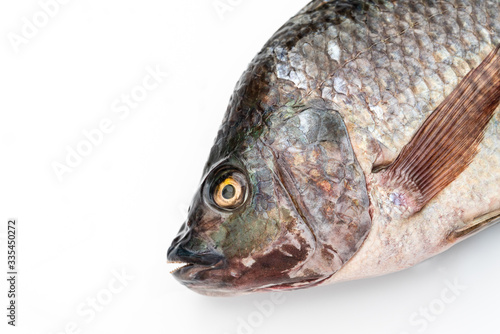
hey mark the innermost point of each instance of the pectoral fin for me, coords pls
(477, 225)
(448, 140)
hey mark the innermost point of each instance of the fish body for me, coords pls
(298, 189)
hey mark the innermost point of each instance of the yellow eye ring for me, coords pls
(229, 191)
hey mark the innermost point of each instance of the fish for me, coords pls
(363, 139)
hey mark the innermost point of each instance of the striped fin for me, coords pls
(448, 141)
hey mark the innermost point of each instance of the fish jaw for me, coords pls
(196, 277)
(212, 281)
(197, 268)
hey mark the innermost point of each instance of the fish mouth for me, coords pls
(192, 263)
(183, 264)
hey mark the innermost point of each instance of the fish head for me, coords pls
(285, 210)
(283, 202)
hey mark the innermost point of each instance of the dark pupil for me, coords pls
(228, 192)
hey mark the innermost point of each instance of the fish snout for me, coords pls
(179, 251)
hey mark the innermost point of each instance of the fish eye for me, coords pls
(229, 189)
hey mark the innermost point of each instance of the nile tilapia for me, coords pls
(363, 139)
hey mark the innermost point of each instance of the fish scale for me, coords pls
(430, 73)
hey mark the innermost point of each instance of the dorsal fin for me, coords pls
(448, 140)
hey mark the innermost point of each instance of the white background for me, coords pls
(121, 207)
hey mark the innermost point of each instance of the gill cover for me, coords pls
(317, 166)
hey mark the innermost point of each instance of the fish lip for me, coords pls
(177, 253)
(194, 262)
(189, 273)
